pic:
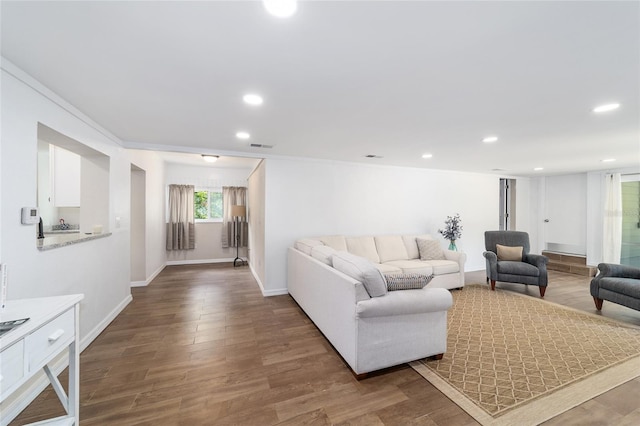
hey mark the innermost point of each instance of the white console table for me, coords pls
(52, 328)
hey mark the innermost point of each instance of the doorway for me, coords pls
(507, 204)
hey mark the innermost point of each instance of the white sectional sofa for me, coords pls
(373, 328)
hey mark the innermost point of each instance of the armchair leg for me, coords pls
(542, 290)
(493, 285)
(598, 303)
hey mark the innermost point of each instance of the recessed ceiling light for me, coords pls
(608, 160)
(537, 169)
(281, 8)
(490, 139)
(252, 99)
(243, 135)
(210, 158)
(605, 108)
(427, 155)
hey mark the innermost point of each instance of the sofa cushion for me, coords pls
(362, 270)
(509, 253)
(412, 246)
(363, 247)
(412, 266)
(429, 249)
(517, 268)
(324, 254)
(441, 267)
(391, 247)
(306, 244)
(338, 242)
(385, 268)
(406, 281)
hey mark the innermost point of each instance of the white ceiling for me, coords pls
(344, 79)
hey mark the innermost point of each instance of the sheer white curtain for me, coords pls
(612, 236)
(181, 226)
(233, 196)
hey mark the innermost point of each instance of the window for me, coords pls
(207, 205)
(630, 191)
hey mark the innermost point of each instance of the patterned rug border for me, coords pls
(551, 404)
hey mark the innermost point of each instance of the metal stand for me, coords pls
(237, 259)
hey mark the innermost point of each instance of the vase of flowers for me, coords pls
(452, 230)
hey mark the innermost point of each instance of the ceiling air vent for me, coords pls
(373, 156)
(259, 145)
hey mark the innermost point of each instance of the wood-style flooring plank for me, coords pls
(201, 346)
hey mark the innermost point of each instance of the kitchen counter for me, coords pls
(57, 240)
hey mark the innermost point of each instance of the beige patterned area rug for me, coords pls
(517, 360)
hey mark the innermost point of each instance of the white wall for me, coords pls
(574, 205)
(155, 230)
(99, 268)
(311, 198)
(256, 217)
(138, 226)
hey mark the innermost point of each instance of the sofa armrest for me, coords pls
(456, 256)
(621, 271)
(460, 258)
(405, 302)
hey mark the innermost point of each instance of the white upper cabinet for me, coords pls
(65, 177)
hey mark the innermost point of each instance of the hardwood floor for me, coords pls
(201, 346)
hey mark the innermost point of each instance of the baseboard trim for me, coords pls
(91, 336)
(267, 293)
(275, 292)
(197, 262)
(148, 280)
(39, 381)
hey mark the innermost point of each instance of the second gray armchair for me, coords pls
(508, 260)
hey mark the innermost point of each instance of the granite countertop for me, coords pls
(66, 239)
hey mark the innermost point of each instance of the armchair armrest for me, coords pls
(492, 264)
(490, 256)
(536, 260)
(621, 271)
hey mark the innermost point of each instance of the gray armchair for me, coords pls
(618, 284)
(531, 269)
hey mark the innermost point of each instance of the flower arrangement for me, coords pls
(452, 230)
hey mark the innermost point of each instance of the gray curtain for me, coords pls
(234, 196)
(181, 225)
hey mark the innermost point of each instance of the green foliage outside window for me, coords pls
(201, 208)
(207, 205)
